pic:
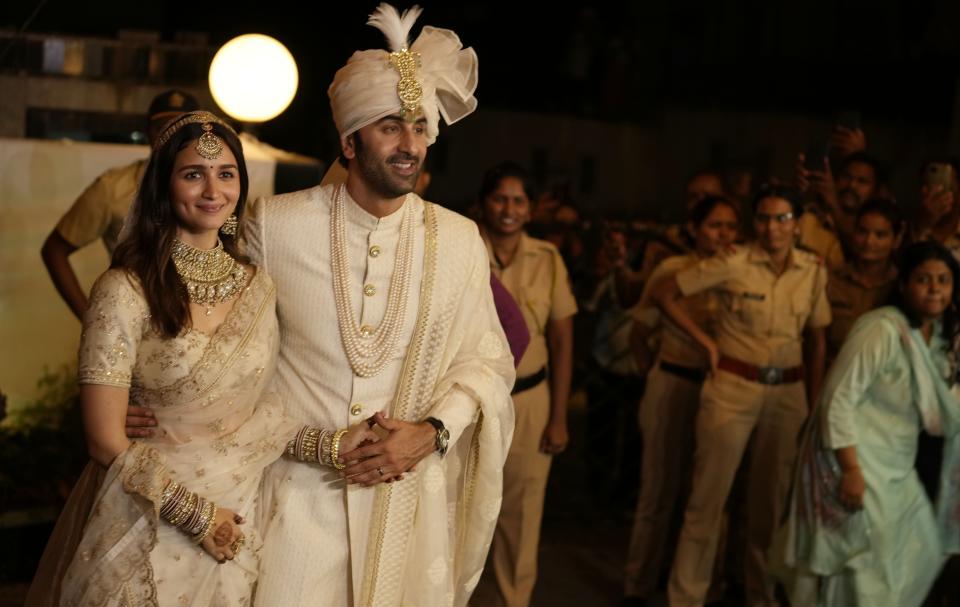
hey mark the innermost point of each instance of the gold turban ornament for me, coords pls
(435, 76)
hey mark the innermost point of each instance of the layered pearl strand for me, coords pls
(369, 350)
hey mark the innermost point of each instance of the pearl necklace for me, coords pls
(211, 276)
(369, 350)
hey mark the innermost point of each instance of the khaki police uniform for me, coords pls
(761, 318)
(537, 279)
(667, 414)
(817, 235)
(850, 298)
(100, 210)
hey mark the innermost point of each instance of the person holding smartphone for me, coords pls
(938, 217)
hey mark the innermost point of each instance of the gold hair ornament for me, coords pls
(209, 145)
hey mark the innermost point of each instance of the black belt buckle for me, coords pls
(771, 376)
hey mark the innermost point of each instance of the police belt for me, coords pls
(770, 376)
(693, 374)
(530, 381)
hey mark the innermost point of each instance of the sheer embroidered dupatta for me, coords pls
(217, 430)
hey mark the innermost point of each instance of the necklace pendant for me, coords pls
(209, 310)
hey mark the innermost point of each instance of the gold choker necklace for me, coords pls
(211, 276)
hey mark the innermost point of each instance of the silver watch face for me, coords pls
(443, 437)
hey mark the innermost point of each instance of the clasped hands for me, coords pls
(382, 450)
(377, 451)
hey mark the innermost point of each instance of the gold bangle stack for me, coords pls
(335, 449)
(326, 443)
(312, 445)
(188, 511)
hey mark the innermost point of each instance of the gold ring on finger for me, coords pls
(237, 544)
(380, 470)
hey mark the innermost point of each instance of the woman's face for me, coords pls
(929, 289)
(775, 224)
(506, 209)
(203, 193)
(874, 238)
(718, 231)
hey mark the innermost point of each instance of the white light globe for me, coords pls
(253, 78)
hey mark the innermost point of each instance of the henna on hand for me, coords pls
(223, 535)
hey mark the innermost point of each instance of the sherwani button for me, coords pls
(369, 290)
(374, 251)
(356, 409)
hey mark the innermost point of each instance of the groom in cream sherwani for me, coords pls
(385, 315)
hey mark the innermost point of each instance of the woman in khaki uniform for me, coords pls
(865, 282)
(769, 293)
(671, 398)
(533, 272)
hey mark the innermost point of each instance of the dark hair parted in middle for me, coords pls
(911, 258)
(703, 207)
(146, 250)
(789, 194)
(494, 175)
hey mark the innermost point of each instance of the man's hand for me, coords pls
(936, 203)
(817, 182)
(404, 446)
(847, 141)
(140, 422)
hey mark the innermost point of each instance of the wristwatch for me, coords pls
(443, 435)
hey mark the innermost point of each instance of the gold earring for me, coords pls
(229, 227)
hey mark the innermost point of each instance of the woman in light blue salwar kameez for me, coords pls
(861, 531)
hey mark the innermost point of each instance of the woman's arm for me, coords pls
(666, 293)
(852, 485)
(104, 410)
(560, 346)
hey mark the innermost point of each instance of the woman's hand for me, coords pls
(852, 487)
(555, 438)
(358, 436)
(226, 539)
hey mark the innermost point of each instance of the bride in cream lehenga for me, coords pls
(182, 325)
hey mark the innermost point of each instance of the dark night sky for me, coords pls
(614, 61)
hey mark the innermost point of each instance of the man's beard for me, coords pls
(377, 175)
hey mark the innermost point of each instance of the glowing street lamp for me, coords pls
(253, 78)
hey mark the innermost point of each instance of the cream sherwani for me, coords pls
(319, 529)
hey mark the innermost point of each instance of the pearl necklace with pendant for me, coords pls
(369, 350)
(211, 276)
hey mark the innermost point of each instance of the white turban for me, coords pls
(365, 89)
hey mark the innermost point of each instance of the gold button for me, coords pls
(356, 409)
(369, 290)
(374, 251)
(366, 330)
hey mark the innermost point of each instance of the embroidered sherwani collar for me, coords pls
(357, 216)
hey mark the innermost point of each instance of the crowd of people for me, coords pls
(787, 336)
(354, 395)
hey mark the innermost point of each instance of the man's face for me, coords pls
(856, 183)
(389, 154)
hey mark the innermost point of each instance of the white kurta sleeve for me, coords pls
(868, 349)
